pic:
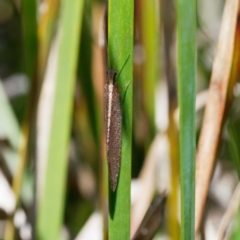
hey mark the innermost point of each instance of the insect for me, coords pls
(113, 122)
(113, 127)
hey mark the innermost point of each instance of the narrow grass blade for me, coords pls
(229, 215)
(51, 205)
(214, 111)
(236, 233)
(120, 48)
(235, 69)
(233, 128)
(46, 28)
(186, 67)
(9, 127)
(85, 74)
(150, 38)
(29, 26)
(169, 25)
(29, 22)
(172, 201)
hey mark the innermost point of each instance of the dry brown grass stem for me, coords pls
(213, 116)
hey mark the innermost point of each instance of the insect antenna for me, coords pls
(121, 48)
(106, 37)
(106, 40)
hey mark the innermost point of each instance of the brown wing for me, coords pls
(105, 110)
(114, 144)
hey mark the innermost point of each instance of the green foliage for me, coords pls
(29, 22)
(233, 128)
(186, 66)
(151, 43)
(236, 232)
(52, 203)
(10, 130)
(120, 47)
(78, 95)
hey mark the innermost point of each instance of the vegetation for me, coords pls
(178, 71)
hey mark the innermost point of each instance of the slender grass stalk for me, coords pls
(229, 215)
(236, 233)
(235, 68)
(120, 49)
(84, 72)
(52, 203)
(186, 66)
(46, 27)
(9, 129)
(150, 38)
(29, 22)
(169, 25)
(233, 128)
(18, 177)
(172, 202)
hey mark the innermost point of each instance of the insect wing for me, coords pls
(113, 131)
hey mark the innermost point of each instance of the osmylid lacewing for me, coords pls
(113, 126)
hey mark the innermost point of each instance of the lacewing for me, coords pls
(113, 127)
(113, 124)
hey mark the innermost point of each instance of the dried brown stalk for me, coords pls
(213, 116)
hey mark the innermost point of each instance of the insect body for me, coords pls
(113, 127)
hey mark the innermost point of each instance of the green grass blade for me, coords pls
(9, 130)
(150, 39)
(29, 22)
(236, 230)
(120, 48)
(186, 65)
(52, 203)
(233, 128)
(9, 127)
(47, 24)
(85, 73)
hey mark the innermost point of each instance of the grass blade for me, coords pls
(46, 26)
(229, 215)
(85, 76)
(52, 202)
(29, 26)
(169, 26)
(29, 22)
(120, 48)
(150, 40)
(186, 65)
(9, 127)
(236, 231)
(233, 128)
